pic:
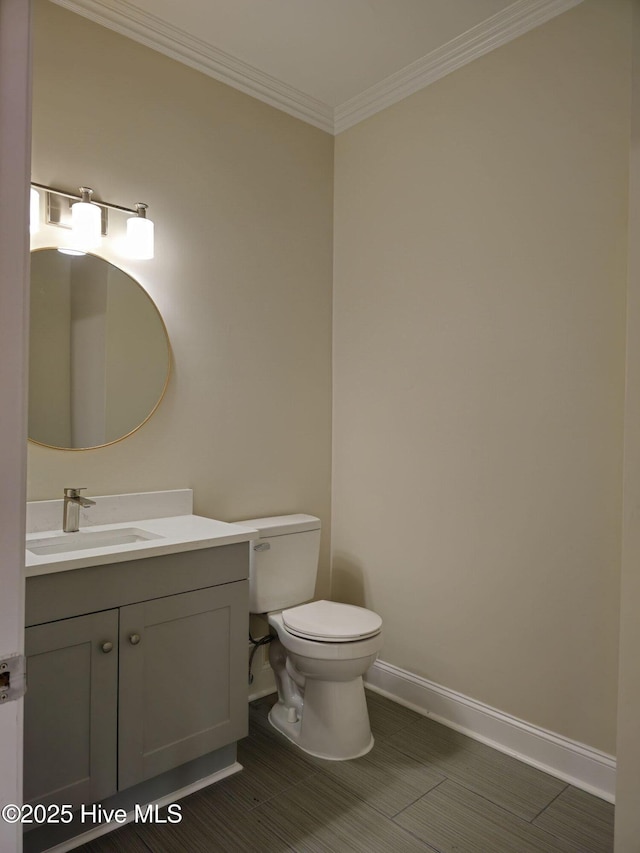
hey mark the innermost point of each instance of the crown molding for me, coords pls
(497, 30)
(124, 18)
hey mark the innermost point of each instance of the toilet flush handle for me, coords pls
(262, 546)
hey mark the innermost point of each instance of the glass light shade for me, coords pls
(86, 225)
(34, 211)
(140, 238)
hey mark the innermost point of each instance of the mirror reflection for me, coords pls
(99, 352)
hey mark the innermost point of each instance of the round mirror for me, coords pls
(99, 355)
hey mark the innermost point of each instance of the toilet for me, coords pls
(322, 648)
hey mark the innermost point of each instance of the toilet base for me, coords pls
(333, 722)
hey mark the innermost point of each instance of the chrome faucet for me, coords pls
(73, 500)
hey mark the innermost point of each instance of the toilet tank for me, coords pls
(283, 561)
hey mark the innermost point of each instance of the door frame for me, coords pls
(15, 171)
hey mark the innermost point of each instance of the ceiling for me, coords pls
(331, 63)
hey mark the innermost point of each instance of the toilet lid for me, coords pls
(331, 622)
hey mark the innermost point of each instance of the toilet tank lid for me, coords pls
(280, 525)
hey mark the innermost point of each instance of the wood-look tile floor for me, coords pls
(422, 788)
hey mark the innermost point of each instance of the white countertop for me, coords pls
(180, 532)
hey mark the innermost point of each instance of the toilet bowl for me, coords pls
(321, 703)
(320, 649)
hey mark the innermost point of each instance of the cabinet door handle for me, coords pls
(106, 647)
(134, 639)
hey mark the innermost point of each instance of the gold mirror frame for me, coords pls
(168, 370)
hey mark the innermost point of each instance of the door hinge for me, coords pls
(13, 678)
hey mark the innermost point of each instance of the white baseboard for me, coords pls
(263, 681)
(265, 691)
(576, 763)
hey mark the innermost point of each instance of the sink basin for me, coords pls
(89, 539)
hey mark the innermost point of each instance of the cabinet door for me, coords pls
(183, 690)
(70, 710)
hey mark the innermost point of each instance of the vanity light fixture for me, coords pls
(88, 220)
(140, 234)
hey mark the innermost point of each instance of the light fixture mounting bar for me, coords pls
(76, 197)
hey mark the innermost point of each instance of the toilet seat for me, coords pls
(331, 622)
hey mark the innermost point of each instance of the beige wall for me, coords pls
(627, 827)
(479, 296)
(241, 195)
(478, 336)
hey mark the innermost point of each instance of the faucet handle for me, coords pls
(74, 492)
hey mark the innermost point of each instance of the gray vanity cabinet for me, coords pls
(71, 711)
(178, 697)
(132, 670)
